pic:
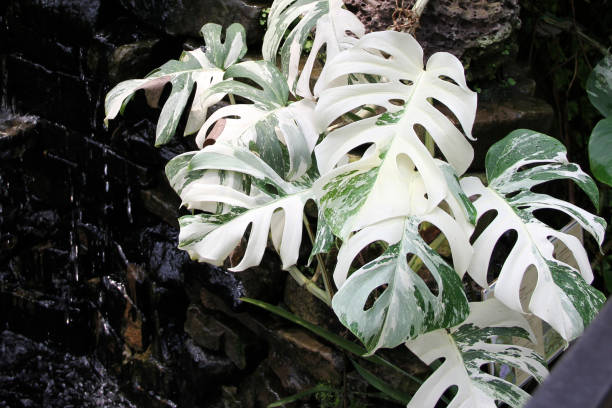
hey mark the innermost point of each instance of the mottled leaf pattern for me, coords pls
(466, 348)
(405, 80)
(599, 86)
(405, 307)
(212, 237)
(562, 296)
(272, 126)
(336, 29)
(194, 68)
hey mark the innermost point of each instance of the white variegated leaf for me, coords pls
(335, 28)
(406, 307)
(466, 348)
(562, 296)
(212, 237)
(403, 79)
(272, 126)
(194, 68)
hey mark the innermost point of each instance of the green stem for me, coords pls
(310, 286)
(231, 99)
(430, 144)
(416, 263)
(320, 262)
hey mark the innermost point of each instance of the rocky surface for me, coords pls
(480, 32)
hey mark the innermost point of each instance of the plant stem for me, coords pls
(429, 143)
(231, 99)
(416, 263)
(310, 286)
(320, 261)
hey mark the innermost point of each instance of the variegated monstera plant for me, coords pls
(380, 142)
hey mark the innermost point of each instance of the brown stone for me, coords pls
(204, 330)
(476, 30)
(303, 304)
(495, 119)
(132, 331)
(301, 352)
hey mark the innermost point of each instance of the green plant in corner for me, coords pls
(376, 182)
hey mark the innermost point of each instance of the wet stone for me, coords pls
(34, 374)
(185, 18)
(298, 351)
(17, 134)
(303, 304)
(495, 119)
(479, 31)
(133, 60)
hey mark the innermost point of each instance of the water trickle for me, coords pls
(4, 105)
(129, 205)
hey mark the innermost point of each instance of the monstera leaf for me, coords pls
(275, 206)
(194, 68)
(397, 159)
(562, 297)
(336, 28)
(275, 128)
(466, 348)
(599, 90)
(406, 307)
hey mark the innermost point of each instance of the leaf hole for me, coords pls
(500, 253)
(416, 264)
(407, 82)
(448, 79)
(449, 394)
(373, 296)
(396, 102)
(405, 166)
(237, 253)
(368, 254)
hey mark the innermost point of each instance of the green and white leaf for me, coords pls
(194, 68)
(271, 125)
(187, 183)
(466, 348)
(406, 307)
(336, 28)
(600, 151)
(599, 86)
(562, 296)
(405, 79)
(397, 162)
(212, 237)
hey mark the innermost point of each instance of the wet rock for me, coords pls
(34, 374)
(303, 304)
(57, 96)
(480, 32)
(132, 60)
(264, 282)
(17, 134)
(205, 330)
(260, 388)
(495, 119)
(298, 352)
(72, 20)
(163, 202)
(221, 335)
(132, 330)
(185, 18)
(165, 260)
